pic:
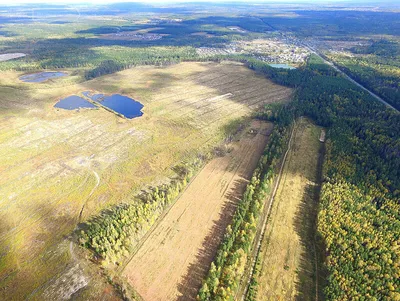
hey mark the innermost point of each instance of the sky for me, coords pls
(342, 2)
(7, 2)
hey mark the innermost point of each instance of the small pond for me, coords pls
(284, 66)
(120, 104)
(41, 76)
(74, 102)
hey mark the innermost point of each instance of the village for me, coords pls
(273, 50)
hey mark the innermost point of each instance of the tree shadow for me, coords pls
(196, 272)
(311, 270)
(33, 256)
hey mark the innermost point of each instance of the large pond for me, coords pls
(120, 104)
(74, 102)
(41, 76)
(284, 66)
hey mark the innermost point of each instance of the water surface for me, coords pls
(284, 66)
(41, 76)
(120, 104)
(74, 102)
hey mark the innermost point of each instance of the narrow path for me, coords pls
(317, 247)
(90, 194)
(243, 287)
(71, 244)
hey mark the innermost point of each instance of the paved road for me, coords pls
(350, 79)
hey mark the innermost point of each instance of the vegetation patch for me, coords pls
(287, 261)
(114, 233)
(227, 269)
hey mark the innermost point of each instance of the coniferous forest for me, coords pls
(359, 214)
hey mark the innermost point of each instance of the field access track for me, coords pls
(289, 268)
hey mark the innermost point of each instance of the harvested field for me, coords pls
(175, 257)
(288, 252)
(60, 167)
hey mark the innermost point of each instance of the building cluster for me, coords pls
(267, 50)
(156, 21)
(136, 36)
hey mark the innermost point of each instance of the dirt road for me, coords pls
(288, 267)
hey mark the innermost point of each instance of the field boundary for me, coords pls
(252, 261)
(315, 246)
(187, 276)
(121, 269)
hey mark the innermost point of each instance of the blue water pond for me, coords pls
(121, 104)
(74, 102)
(41, 76)
(284, 66)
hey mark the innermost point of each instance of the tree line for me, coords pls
(228, 266)
(359, 214)
(113, 234)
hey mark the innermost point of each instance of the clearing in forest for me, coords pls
(174, 259)
(288, 253)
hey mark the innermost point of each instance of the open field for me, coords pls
(174, 259)
(11, 56)
(61, 167)
(288, 252)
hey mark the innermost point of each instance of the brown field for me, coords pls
(174, 259)
(55, 164)
(288, 262)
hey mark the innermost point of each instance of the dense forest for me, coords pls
(359, 218)
(359, 213)
(99, 60)
(376, 66)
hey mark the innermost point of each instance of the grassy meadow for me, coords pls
(287, 259)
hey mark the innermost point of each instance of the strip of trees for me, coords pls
(227, 268)
(115, 232)
(99, 60)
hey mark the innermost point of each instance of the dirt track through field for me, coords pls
(176, 256)
(288, 268)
